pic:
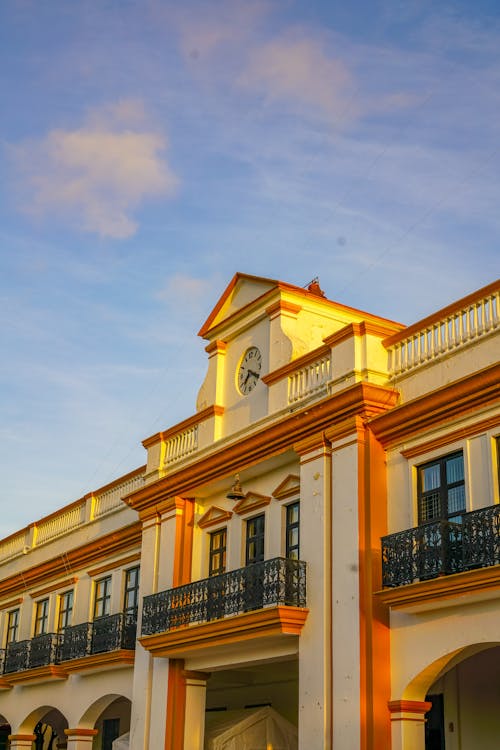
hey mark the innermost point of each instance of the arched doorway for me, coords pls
(47, 724)
(5, 730)
(110, 716)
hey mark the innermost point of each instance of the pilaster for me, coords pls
(408, 724)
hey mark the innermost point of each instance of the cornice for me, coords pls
(450, 437)
(54, 587)
(438, 407)
(39, 674)
(262, 623)
(74, 559)
(442, 588)
(364, 399)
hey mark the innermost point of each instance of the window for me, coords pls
(441, 489)
(217, 554)
(255, 540)
(293, 530)
(102, 601)
(12, 626)
(131, 595)
(41, 617)
(65, 610)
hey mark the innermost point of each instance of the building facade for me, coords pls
(311, 560)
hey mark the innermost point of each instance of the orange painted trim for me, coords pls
(216, 346)
(373, 618)
(282, 306)
(213, 517)
(4, 685)
(176, 706)
(54, 587)
(201, 416)
(77, 559)
(443, 313)
(183, 642)
(295, 364)
(252, 501)
(451, 586)
(439, 406)
(451, 437)
(366, 399)
(289, 487)
(114, 565)
(81, 732)
(198, 676)
(39, 674)
(184, 526)
(108, 660)
(21, 737)
(414, 707)
(316, 442)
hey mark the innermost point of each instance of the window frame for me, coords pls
(217, 552)
(442, 490)
(104, 599)
(290, 526)
(258, 538)
(64, 611)
(131, 609)
(13, 618)
(41, 620)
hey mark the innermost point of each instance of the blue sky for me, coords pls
(149, 149)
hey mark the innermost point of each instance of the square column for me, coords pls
(21, 741)
(408, 724)
(194, 722)
(80, 739)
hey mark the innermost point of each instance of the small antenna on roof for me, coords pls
(314, 287)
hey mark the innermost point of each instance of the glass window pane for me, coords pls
(455, 469)
(430, 477)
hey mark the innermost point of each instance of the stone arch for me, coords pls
(109, 716)
(97, 708)
(45, 715)
(419, 685)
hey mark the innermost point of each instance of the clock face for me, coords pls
(249, 370)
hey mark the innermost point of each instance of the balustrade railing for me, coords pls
(16, 656)
(110, 499)
(442, 548)
(181, 445)
(60, 524)
(468, 322)
(270, 583)
(309, 379)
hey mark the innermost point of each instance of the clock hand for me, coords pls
(255, 374)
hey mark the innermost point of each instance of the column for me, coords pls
(408, 724)
(315, 660)
(19, 741)
(194, 722)
(80, 739)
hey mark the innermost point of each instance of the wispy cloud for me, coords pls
(95, 176)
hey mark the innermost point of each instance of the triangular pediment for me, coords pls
(214, 516)
(289, 487)
(241, 291)
(252, 501)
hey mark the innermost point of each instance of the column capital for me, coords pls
(404, 710)
(80, 732)
(194, 677)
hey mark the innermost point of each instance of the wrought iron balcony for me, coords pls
(43, 650)
(109, 633)
(16, 656)
(442, 548)
(270, 583)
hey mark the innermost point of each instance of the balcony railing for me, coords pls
(270, 583)
(106, 634)
(442, 548)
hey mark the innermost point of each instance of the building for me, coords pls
(321, 537)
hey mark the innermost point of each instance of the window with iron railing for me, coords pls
(131, 592)
(65, 610)
(41, 617)
(441, 489)
(102, 600)
(12, 626)
(217, 552)
(293, 531)
(255, 540)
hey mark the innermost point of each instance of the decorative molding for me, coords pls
(252, 501)
(363, 399)
(451, 437)
(12, 603)
(216, 347)
(289, 487)
(283, 307)
(271, 621)
(100, 548)
(214, 516)
(81, 732)
(438, 407)
(107, 660)
(113, 565)
(39, 674)
(476, 581)
(54, 587)
(412, 707)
